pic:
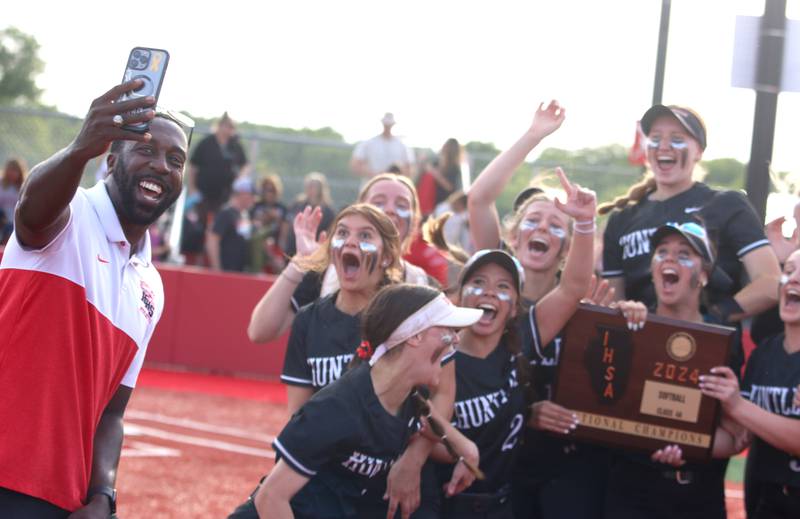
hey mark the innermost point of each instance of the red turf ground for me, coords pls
(196, 445)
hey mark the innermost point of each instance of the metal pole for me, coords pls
(768, 83)
(661, 55)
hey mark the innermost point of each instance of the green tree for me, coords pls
(724, 173)
(19, 66)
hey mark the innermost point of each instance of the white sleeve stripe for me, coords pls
(747, 248)
(287, 378)
(447, 357)
(612, 273)
(295, 306)
(292, 461)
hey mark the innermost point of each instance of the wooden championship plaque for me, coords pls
(639, 390)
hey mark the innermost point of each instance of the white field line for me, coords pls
(198, 426)
(153, 432)
(137, 449)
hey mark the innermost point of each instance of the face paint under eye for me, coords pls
(504, 296)
(367, 247)
(660, 256)
(784, 279)
(677, 144)
(528, 225)
(470, 290)
(686, 262)
(403, 213)
(448, 339)
(558, 232)
(370, 252)
(337, 243)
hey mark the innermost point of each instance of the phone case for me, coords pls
(150, 65)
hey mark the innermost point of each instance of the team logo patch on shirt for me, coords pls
(148, 307)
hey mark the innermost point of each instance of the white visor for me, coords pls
(438, 312)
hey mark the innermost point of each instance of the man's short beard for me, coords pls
(127, 185)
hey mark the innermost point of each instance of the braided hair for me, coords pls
(636, 192)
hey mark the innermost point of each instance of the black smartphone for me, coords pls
(149, 65)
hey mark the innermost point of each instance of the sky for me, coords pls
(465, 69)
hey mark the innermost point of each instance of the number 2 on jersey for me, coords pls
(511, 440)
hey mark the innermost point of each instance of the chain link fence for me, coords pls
(35, 134)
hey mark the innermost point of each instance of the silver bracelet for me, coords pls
(585, 227)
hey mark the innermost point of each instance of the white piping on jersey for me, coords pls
(612, 273)
(747, 248)
(537, 348)
(447, 356)
(295, 379)
(296, 464)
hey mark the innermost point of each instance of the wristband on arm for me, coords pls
(110, 493)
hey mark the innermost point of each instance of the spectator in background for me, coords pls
(448, 171)
(215, 163)
(456, 228)
(159, 245)
(316, 193)
(374, 156)
(426, 184)
(228, 243)
(13, 176)
(268, 215)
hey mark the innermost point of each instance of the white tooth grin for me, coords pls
(151, 186)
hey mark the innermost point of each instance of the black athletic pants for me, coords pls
(778, 502)
(640, 491)
(575, 489)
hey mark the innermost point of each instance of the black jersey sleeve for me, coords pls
(296, 371)
(307, 291)
(612, 250)
(315, 435)
(741, 227)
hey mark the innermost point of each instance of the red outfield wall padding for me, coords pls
(204, 325)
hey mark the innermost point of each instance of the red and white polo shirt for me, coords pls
(75, 320)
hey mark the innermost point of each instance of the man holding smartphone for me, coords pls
(79, 300)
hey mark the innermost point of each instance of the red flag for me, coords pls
(638, 154)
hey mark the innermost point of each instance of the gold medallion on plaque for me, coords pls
(681, 346)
